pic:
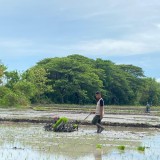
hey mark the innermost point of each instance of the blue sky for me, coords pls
(124, 31)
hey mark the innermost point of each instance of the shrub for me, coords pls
(10, 98)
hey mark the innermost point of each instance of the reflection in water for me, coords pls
(30, 142)
(98, 154)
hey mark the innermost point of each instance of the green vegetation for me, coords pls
(74, 80)
(140, 148)
(98, 146)
(63, 119)
(122, 148)
(75, 126)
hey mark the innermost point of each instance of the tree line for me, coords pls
(74, 80)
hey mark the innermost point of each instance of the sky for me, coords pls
(123, 31)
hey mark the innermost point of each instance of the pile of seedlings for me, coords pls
(61, 125)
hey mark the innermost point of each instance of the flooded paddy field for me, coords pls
(26, 141)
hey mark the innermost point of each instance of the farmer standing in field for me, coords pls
(148, 107)
(99, 112)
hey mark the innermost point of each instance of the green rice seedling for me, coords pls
(141, 148)
(98, 146)
(75, 125)
(122, 148)
(63, 119)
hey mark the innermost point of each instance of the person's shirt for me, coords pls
(148, 105)
(100, 104)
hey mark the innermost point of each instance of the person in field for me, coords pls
(148, 107)
(99, 113)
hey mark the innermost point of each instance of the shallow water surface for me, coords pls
(22, 141)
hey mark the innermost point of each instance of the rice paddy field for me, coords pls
(27, 141)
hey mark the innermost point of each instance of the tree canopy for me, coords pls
(75, 79)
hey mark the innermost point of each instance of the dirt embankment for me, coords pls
(140, 125)
(31, 116)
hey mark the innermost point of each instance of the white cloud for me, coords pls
(14, 43)
(157, 25)
(129, 16)
(158, 80)
(144, 42)
(112, 47)
(20, 48)
(14, 47)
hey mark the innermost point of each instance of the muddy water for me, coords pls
(22, 141)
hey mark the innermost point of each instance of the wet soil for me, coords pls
(29, 115)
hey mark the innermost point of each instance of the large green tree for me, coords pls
(38, 84)
(75, 79)
(2, 71)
